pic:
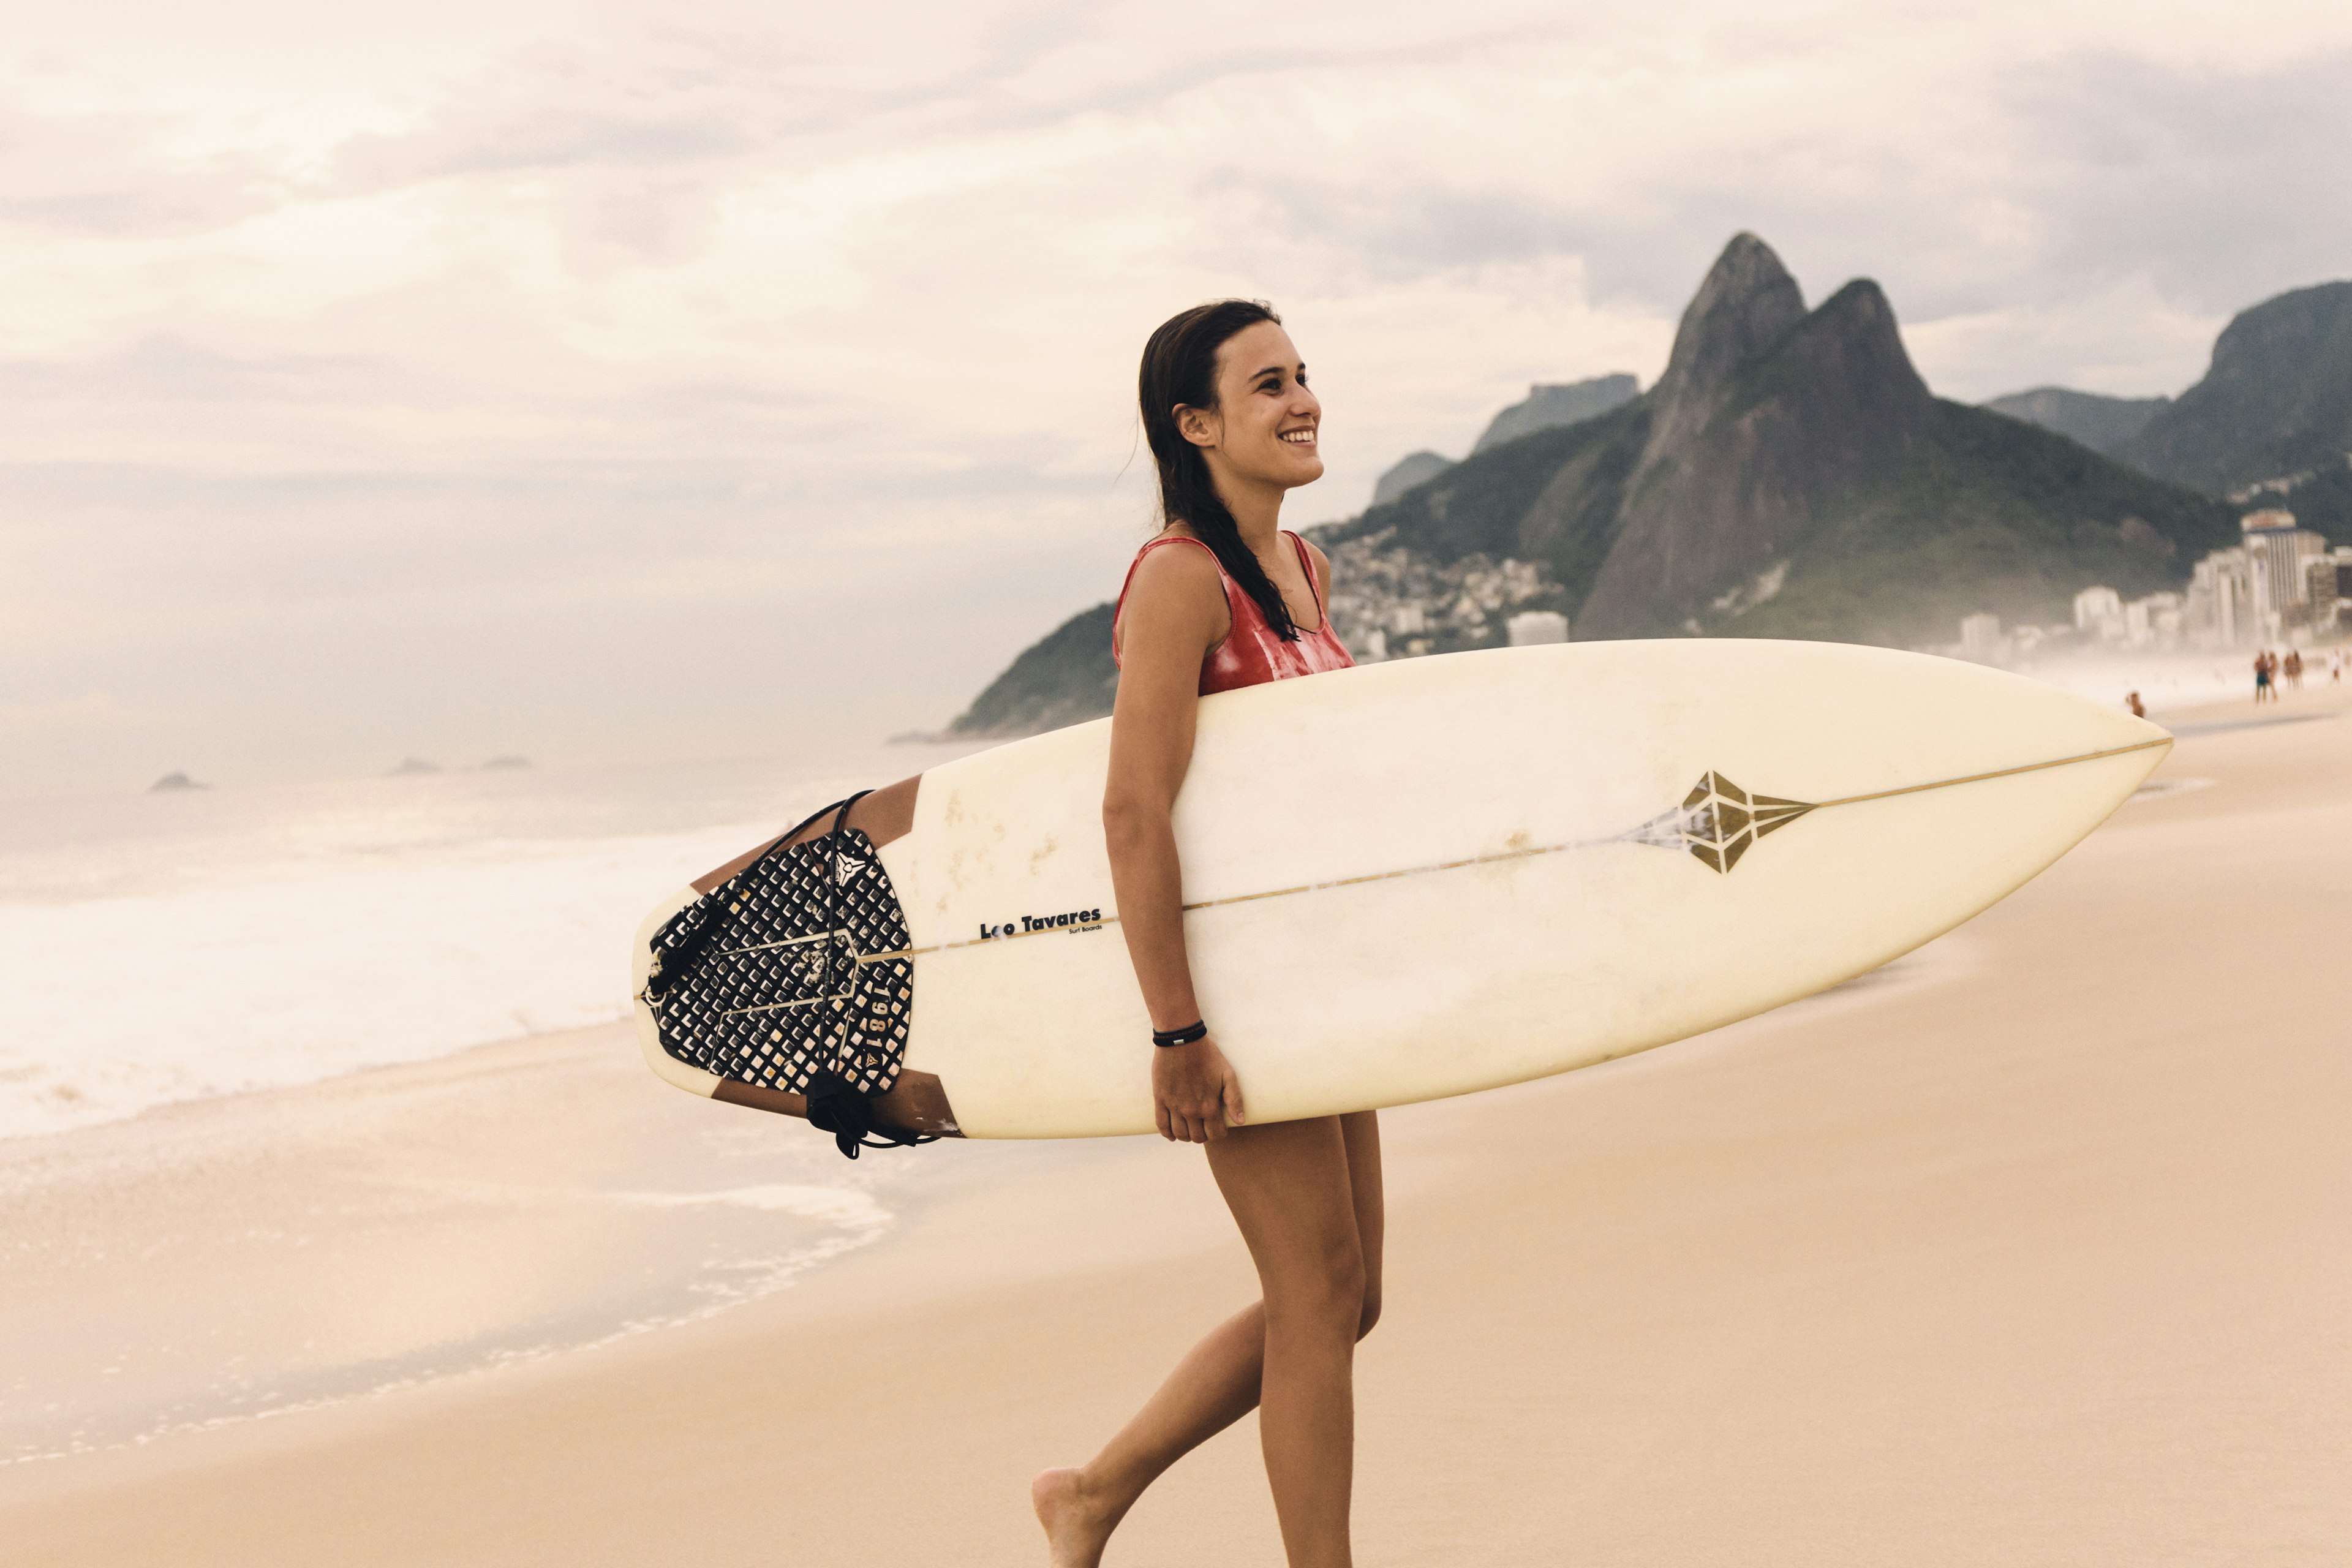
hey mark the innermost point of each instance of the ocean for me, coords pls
(287, 1226)
(161, 947)
(244, 1253)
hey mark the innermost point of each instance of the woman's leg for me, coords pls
(1287, 1187)
(1213, 1387)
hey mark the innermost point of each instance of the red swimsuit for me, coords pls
(1251, 654)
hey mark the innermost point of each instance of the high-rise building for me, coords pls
(2097, 608)
(2328, 589)
(2197, 615)
(2272, 539)
(2224, 597)
(2156, 618)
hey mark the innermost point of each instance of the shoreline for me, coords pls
(2021, 1251)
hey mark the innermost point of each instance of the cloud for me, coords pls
(111, 176)
(427, 349)
(2221, 185)
(164, 368)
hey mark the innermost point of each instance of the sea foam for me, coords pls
(117, 1005)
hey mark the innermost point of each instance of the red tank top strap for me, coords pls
(1250, 653)
(1306, 565)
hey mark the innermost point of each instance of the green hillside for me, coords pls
(2276, 402)
(1065, 677)
(2103, 423)
(1790, 475)
(1991, 514)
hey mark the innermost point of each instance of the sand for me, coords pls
(2031, 1250)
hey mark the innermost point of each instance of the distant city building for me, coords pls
(2223, 599)
(2157, 618)
(1981, 640)
(2327, 590)
(2098, 609)
(2024, 639)
(1531, 627)
(1392, 602)
(2282, 549)
(2269, 589)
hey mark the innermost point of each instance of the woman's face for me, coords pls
(1266, 423)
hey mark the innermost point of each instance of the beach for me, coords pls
(2027, 1249)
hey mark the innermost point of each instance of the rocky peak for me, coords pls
(2287, 326)
(2276, 402)
(1748, 302)
(1772, 427)
(1850, 353)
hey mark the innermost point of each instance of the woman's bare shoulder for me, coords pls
(1185, 571)
(1180, 593)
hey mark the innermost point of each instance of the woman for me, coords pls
(1223, 598)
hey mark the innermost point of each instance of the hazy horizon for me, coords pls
(581, 381)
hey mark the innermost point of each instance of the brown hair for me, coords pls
(1180, 366)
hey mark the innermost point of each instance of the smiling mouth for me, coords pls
(1300, 437)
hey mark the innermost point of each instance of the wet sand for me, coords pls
(2032, 1250)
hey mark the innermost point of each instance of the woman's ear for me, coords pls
(1202, 426)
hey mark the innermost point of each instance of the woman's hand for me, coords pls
(1194, 1094)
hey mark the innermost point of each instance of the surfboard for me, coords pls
(1402, 881)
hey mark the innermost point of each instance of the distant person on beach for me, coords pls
(2132, 701)
(1223, 597)
(2262, 688)
(2335, 668)
(2293, 668)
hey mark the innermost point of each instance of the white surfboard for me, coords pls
(1420, 879)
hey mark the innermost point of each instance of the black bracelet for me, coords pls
(1195, 1030)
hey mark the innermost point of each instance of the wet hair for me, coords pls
(1180, 366)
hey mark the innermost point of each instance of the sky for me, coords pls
(584, 380)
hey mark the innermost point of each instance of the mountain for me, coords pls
(2272, 420)
(1790, 475)
(1413, 468)
(2104, 425)
(1547, 407)
(2276, 402)
(1065, 677)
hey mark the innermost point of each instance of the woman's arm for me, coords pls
(1175, 613)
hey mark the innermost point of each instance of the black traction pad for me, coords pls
(789, 978)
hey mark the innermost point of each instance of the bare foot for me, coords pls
(1077, 1525)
